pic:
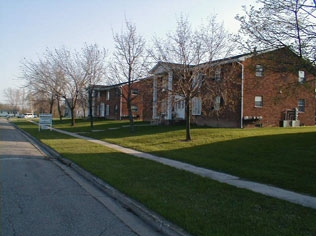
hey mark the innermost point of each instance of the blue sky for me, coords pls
(28, 27)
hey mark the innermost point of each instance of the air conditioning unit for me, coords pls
(286, 123)
(295, 123)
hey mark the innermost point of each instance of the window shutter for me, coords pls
(196, 106)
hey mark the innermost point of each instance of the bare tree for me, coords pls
(16, 98)
(129, 62)
(183, 52)
(66, 74)
(276, 23)
(44, 79)
(93, 64)
(81, 70)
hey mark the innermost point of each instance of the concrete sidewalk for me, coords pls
(297, 198)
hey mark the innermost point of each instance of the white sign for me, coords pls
(45, 121)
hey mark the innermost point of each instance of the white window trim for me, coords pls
(259, 99)
(301, 106)
(218, 74)
(301, 76)
(107, 95)
(134, 108)
(259, 70)
(217, 103)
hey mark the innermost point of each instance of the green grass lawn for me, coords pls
(284, 157)
(199, 205)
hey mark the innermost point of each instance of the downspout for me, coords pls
(242, 96)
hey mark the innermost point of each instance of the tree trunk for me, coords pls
(129, 103)
(187, 119)
(72, 109)
(59, 109)
(90, 108)
(73, 120)
(130, 115)
(51, 105)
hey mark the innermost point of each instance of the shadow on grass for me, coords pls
(118, 129)
(199, 205)
(285, 160)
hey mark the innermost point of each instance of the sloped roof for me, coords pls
(163, 67)
(118, 85)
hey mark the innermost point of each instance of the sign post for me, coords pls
(45, 122)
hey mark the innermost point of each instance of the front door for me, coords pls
(179, 107)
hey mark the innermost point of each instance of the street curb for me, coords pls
(148, 216)
(151, 218)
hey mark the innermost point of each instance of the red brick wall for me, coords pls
(142, 100)
(279, 88)
(113, 102)
(228, 88)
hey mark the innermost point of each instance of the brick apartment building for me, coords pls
(266, 88)
(279, 88)
(110, 102)
(106, 101)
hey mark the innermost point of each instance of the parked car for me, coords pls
(3, 114)
(10, 115)
(28, 115)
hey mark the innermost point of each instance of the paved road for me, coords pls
(40, 197)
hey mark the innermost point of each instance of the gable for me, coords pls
(160, 68)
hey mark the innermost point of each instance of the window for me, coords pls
(117, 92)
(218, 72)
(134, 91)
(217, 104)
(107, 95)
(164, 84)
(102, 109)
(180, 105)
(196, 106)
(259, 70)
(107, 110)
(96, 94)
(301, 105)
(134, 108)
(197, 81)
(116, 109)
(258, 101)
(301, 76)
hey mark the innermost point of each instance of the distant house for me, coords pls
(79, 112)
(266, 88)
(107, 101)
(110, 102)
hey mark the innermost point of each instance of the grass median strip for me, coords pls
(199, 205)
